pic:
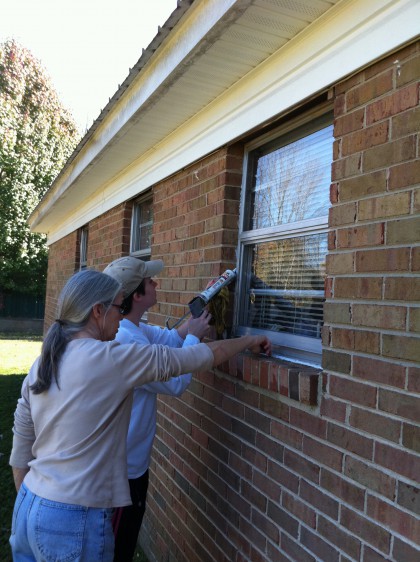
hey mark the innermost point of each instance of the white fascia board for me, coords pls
(349, 37)
(202, 17)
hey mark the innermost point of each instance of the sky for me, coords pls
(86, 46)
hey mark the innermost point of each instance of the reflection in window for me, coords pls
(284, 239)
(291, 183)
(286, 285)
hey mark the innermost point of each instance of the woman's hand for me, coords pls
(260, 344)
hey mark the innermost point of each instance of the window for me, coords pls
(141, 231)
(283, 239)
(141, 227)
(83, 247)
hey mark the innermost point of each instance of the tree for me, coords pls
(37, 135)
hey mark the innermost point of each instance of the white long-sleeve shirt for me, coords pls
(142, 428)
(73, 438)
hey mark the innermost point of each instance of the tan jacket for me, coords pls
(74, 437)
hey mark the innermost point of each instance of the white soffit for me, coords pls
(265, 57)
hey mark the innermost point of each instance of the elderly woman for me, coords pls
(68, 456)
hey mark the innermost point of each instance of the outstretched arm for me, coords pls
(223, 350)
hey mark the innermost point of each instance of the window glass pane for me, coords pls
(285, 291)
(83, 247)
(292, 183)
(142, 226)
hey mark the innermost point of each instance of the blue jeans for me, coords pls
(48, 531)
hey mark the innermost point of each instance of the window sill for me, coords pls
(292, 380)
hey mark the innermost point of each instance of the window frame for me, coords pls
(290, 346)
(142, 253)
(83, 247)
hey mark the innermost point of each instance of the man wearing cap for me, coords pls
(139, 290)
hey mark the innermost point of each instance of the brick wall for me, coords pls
(62, 261)
(257, 461)
(371, 405)
(195, 228)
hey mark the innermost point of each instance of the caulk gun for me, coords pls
(198, 303)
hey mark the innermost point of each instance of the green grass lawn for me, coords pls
(17, 353)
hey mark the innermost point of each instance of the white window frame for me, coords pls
(143, 253)
(83, 248)
(293, 347)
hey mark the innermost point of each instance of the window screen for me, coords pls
(283, 243)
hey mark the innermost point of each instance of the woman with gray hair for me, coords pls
(68, 456)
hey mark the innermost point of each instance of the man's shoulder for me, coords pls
(130, 333)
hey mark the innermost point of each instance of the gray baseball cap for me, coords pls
(130, 271)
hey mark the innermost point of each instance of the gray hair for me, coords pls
(81, 292)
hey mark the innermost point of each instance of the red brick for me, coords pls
(405, 231)
(404, 175)
(402, 288)
(334, 534)
(371, 422)
(340, 263)
(308, 388)
(401, 347)
(350, 440)
(388, 106)
(342, 489)
(370, 477)
(411, 437)
(369, 90)
(384, 207)
(400, 461)
(390, 259)
(356, 237)
(298, 509)
(321, 501)
(321, 549)
(375, 370)
(301, 466)
(414, 379)
(367, 138)
(341, 215)
(400, 522)
(406, 123)
(349, 122)
(390, 153)
(379, 316)
(346, 168)
(358, 287)
(353, 391)
(323, 453)
(365, 529)
(333, 409)
(399, 404)
(404, 552)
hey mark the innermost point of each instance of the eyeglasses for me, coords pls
(122, 308)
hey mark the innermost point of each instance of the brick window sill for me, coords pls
(292, 380)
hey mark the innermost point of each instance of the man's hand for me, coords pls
(199, 327)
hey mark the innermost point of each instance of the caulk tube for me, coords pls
(199, 302)
(228, 276)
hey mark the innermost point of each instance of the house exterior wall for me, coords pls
(262, 460)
